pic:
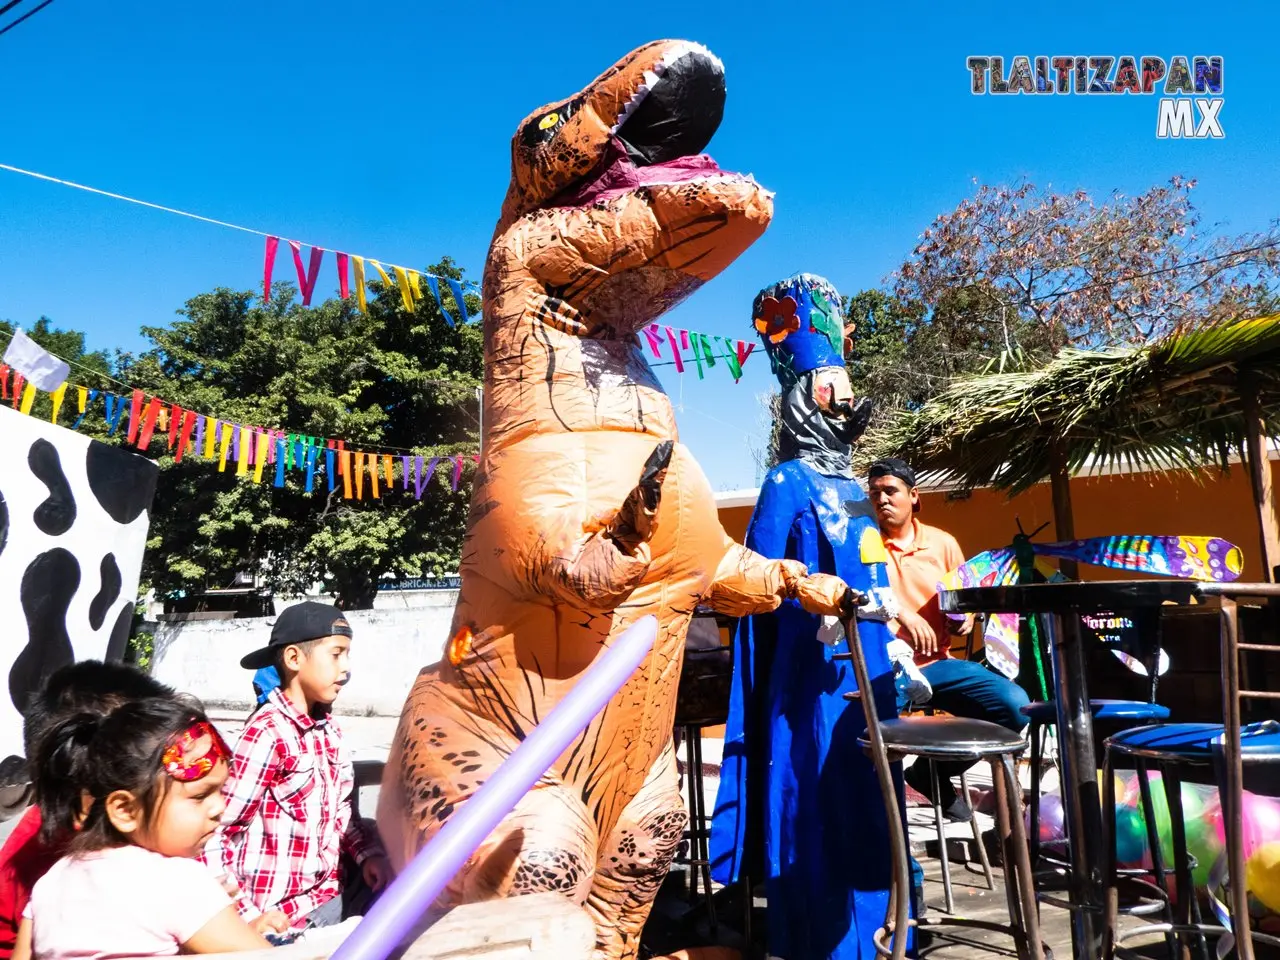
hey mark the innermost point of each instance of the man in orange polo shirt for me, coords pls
(919, 555)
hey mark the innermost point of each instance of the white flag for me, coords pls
(34, 362)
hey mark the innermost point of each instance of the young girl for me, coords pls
(142, 789)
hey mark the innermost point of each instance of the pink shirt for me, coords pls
(121, 902)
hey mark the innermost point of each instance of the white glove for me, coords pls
(831, 631)
(882, 606)
(904, 662)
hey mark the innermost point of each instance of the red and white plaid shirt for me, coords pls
(288, 814)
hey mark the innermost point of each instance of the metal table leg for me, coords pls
(1079, 781)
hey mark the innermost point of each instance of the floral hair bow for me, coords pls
(177, 760)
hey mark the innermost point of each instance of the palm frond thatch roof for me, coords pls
(1173, 403)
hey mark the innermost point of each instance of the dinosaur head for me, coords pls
(619, 167)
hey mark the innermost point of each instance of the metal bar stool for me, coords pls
(939, 823)
(940, 827)
(1044, 714)
(702, 700)
(948, 738)
(1228, 747)
(1117, 714)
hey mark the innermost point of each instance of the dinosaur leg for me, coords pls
(547, 843)
(634, 861)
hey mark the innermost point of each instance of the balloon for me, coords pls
(1121, 785)
(400, 908)
(1203, 841)
(1053, 820)
(1260, 822)
(1131, 835)
(1262, 874)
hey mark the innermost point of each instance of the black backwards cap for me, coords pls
(298, 624)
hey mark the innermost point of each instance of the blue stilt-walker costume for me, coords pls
(799, 804)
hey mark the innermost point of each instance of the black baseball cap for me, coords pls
(893, 467)
(298, 624)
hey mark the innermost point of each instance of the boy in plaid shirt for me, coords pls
(289, 816)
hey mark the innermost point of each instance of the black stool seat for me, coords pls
(950, 738)
(1195, 742)
(1046, 711)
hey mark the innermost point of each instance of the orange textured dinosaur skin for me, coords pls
(582, 520)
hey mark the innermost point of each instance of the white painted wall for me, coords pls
(202, 657)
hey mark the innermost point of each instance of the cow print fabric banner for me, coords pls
(73, 526)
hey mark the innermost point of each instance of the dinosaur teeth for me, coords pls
(654, 74)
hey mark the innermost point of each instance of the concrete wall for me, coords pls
(202, 657)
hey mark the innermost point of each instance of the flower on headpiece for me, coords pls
(177, 760)
(777, 318)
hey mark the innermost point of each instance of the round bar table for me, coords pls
(1059, 607)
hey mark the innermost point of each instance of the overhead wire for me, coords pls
(193, 216)
(25, 16)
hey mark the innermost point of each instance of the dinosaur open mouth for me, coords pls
(659, 136)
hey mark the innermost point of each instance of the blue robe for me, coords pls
(794, 784)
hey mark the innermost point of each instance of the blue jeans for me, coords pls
(965, 688)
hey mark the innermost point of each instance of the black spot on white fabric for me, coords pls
(47, 588)
(120, 635)
(4, 523)
(122, 482)
(110, 592)
(56, 515)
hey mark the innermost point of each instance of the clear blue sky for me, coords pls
(384, 130)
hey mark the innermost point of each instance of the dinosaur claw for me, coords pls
(655, 469)
(634, 523)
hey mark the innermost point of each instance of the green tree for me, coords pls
(390, 380)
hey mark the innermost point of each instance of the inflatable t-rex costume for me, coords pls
(611, 218)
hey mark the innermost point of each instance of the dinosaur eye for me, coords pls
(542, 130)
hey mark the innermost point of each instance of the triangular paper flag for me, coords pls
(268, 266)
(435, 292)
(357, 266)
(189, 419)
(307, 278)
(135, 412)
(261, 453)
(675, 349)
(344, 277)
(406, 292)
(421, 479)
(149, 424)
(654, 335)
(56, 400)
(85, 403)
(456, 287)
(175, 421)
